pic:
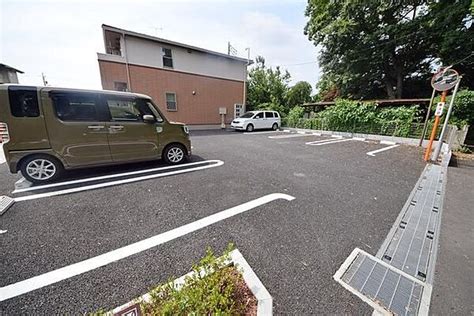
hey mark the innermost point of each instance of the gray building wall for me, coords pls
(145, 52)
(8, 76)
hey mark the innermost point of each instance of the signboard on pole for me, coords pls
(440, 108)
(445, 79)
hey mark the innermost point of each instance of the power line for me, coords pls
(461, 60)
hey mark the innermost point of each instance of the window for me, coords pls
(167, 58)
(268, 114)
(128, 109)
(76, 106)
(153, 109)
(171, 101)
(123, 110)
(120, 86)
(23, 101)
(259, 115)
(247, 115)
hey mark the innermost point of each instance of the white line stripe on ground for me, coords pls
(387, 142)
(321, 141)
(372, 153)
(333, 142)
(361, 139)
(34, 283)
(336, 136)
(257, 133)
(216, 163)
(2, 154)
(289, 136)
(111, 176)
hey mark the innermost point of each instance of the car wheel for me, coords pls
(249, 128)
(174, 154)
(274, 126)
(41, 168)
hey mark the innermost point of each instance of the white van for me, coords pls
(252, 120)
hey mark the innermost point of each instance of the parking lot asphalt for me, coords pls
(344, 199)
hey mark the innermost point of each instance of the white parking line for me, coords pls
(110, 176)
(2, 154)
(321, 141)
(331, 142)
(257, 133)
(215, 163)
(372, 153)
(289, 136)
(37, 282)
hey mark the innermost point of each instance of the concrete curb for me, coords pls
(264, 299)
(381, 138)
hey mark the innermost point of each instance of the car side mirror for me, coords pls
(147, 118)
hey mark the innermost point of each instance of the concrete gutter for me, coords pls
(394, 139)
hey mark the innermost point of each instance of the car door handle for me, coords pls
(119, 127)
(96, 127)
(115, 128)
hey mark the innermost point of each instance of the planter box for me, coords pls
(264, 300)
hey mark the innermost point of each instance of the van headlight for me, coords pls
(186, 129)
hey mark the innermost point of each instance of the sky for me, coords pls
(61, 38)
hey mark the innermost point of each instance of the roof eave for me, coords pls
(173, 43)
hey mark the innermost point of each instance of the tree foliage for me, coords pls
(269, 89)
(299, 94)
(266, 85)
(378, 49)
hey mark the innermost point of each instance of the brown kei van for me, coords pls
(46, 130)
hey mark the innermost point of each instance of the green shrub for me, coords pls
(211, 294)
(463, 108)
(359, 117)
(271, 107)
(294, 116)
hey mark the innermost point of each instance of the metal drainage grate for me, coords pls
(385, 288)
(411, 246)
(5, 203)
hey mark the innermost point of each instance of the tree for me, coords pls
(267, 85)
(300, 93)
(373, 49)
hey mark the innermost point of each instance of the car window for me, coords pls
(130, 109)
(247, 115)
(123, 109)
(23, 101)
(76, 106)
(269, 114)
(258, 115)
(153, 110)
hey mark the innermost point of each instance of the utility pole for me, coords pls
(45, 82)
(244, 99)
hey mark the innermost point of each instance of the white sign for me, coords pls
(222, 110)
(445, 79)
(439, 108)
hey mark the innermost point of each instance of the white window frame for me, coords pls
(175, 101)
(163, 57)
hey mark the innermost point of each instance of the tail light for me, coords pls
(4, 136)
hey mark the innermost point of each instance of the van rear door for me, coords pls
(130, 137)
(76, 124)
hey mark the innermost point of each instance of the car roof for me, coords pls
(49, 88)
(257, 111)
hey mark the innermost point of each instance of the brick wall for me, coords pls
(201, 108)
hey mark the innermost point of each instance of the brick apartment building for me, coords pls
(189, 84)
